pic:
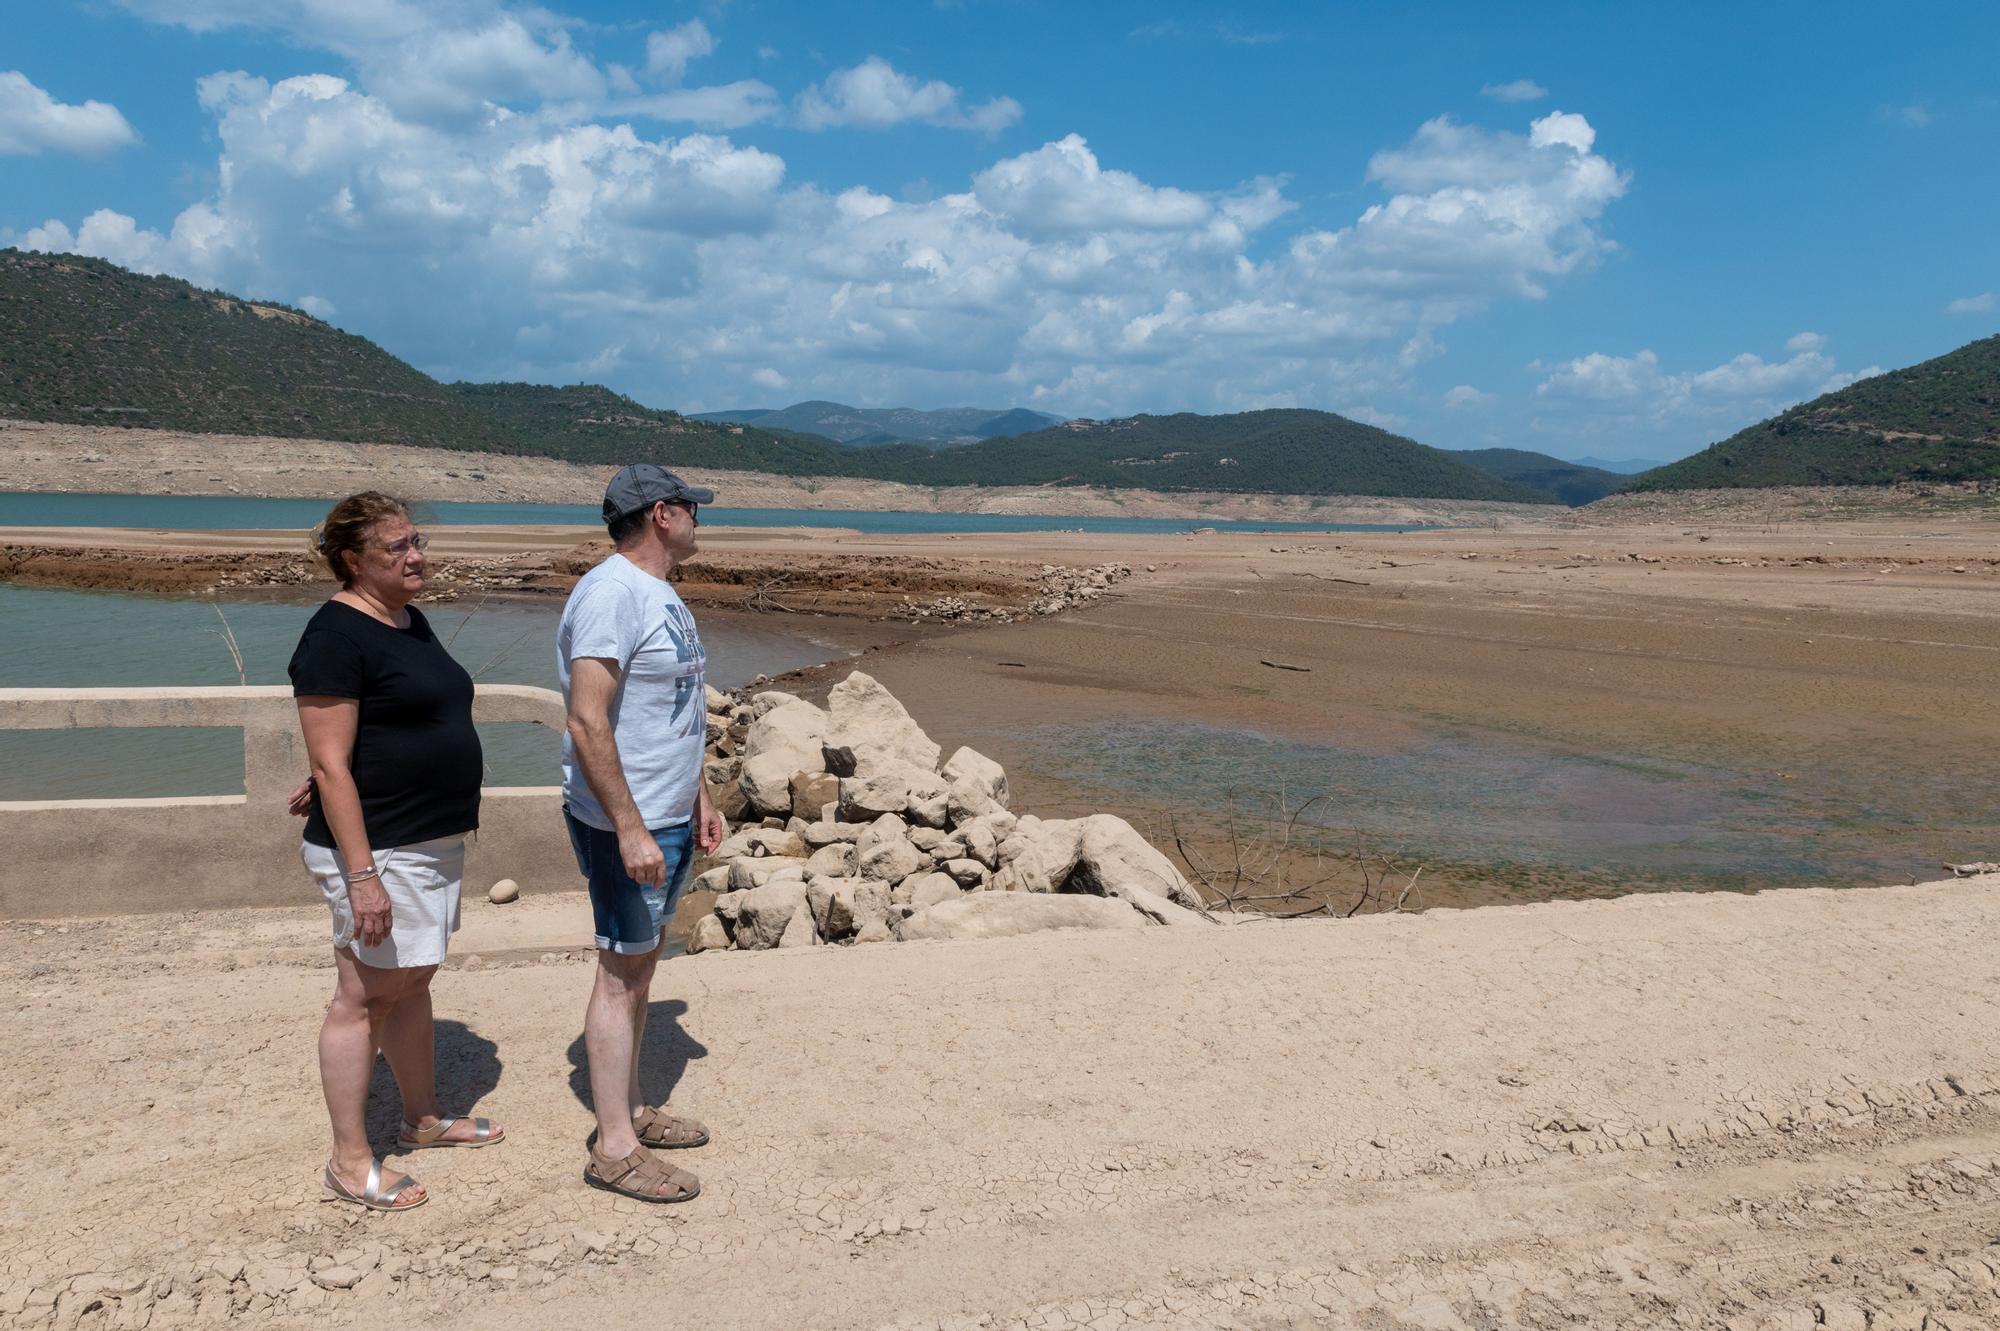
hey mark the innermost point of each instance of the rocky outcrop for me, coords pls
(869, 833)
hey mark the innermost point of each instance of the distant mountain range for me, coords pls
(1291, 451)
(1936, 421)
(1623, 466)
(862, 426)
(85, 341)
(1571, 482)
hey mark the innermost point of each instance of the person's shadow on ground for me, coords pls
(468, 1068)
(663, 1058)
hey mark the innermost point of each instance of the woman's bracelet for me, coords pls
(370, 872)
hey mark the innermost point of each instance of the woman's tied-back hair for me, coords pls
(345, 528)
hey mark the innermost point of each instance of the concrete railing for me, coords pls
(105, 856)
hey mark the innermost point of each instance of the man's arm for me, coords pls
(709, 828)
(593, 683)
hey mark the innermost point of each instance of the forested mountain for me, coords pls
(879, 425)
(85, 341)
(1571, 482)
(1291, 451)
(1937, 421)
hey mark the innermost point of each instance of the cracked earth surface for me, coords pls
(1769, 1111)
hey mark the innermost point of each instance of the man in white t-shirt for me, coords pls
(631, 666)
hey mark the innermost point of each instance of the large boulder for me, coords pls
(966, 800)
(837, 860)
(747, 873)
(977, 771)
(929, 807)
(866, 718)
(863, 799)
(800, 931)
(1113, 860)
(760, 841)
(783, 740)
(710, 935)
(1004, 915)
(927, 889)
(967, 873)
(818, 835)
(980, 843)
(1037, 856)
(889, 858)
(770, 700)
(764, 913)
(812, 792)
(844, 906)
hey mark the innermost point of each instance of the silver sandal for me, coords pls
(372, 1194)
(413, 1138)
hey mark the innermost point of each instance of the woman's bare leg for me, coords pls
(409, 1042)
(363, 996)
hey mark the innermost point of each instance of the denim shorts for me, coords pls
(630, 914)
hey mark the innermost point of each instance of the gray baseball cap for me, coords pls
(642, 485)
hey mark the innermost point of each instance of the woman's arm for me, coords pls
(329, 724)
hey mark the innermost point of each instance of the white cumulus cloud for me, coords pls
(32, 122)
(1600, 393)
(1465, 395)
(688, 269)
(875, 95)
(1520, 90)
(668, 53)
(1983, 303)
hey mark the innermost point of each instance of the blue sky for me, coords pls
(1620, 231)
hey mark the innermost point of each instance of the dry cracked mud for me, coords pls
(1716, 1111)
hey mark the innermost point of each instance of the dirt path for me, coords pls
(1766, 1111)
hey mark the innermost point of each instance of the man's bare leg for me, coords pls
(611, 1023)
(638, 1096)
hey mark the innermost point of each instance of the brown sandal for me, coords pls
(641, 1176)
(663, 1131)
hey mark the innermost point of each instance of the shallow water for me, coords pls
(1511, 806)
(237, 512)
(51, 638)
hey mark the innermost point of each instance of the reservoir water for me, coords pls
(236, 512)
(104, 639)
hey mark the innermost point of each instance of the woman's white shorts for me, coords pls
(422, 881)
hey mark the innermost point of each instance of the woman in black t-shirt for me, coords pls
(387, 716)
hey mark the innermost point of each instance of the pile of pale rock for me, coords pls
(1058, 587)
(853, 828)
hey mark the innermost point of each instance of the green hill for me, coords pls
(867, 426)
(590, 423)
(87, 342)
(1938, 421)
(1291, 451)
(1571, 482)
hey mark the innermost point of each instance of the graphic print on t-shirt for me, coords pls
(691, 683)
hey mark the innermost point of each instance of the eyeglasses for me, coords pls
(416, 540)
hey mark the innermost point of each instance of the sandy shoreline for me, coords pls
(85, 459)
(1696, 1112)
(1839, 672)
